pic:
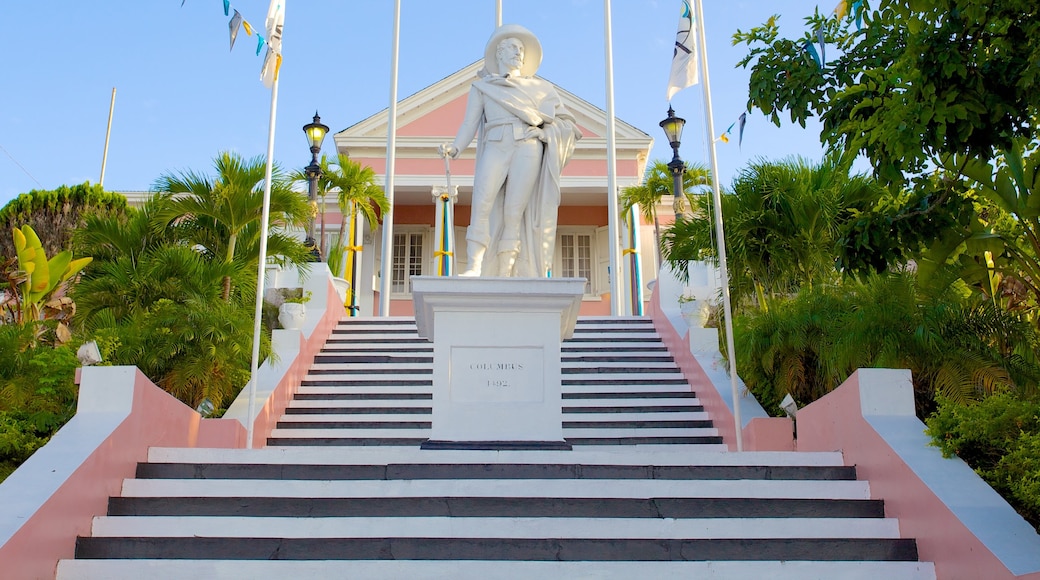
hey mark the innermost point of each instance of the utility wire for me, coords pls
(20, 166)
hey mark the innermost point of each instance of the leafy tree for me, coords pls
(54, 215)
(912, 80)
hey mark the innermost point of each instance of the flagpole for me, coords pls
(717, 196)
(386, 268)
(108, 133)
(612, 197)
(261, 269)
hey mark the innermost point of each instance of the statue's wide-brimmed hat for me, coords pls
(532, 49)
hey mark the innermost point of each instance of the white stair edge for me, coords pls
(497, 569)
(596, 455)
(493, 527)
(551, 488)
(291, 432)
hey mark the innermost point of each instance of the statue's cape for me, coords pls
(535, 102)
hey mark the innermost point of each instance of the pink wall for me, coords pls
(274, 407)
(156, 419)
(836, 423)
(679, 347)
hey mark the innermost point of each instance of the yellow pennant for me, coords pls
(842, 9)
(249, 29)
(724, 138)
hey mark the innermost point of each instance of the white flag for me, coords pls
(273, 59)
(684, 60)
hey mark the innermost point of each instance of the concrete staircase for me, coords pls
(343, 489)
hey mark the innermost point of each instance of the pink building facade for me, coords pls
(431, 117)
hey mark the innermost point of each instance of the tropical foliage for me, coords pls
(37, 391)
(785, 224)
(911, 81)
(659, 182)
(55, 215)
(961, 348)
(220, 215)
(356, 193)
(1000, 438)
(939, 97)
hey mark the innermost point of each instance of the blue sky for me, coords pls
(183, 96)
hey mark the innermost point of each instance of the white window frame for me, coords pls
(422, 260)
(592, 285)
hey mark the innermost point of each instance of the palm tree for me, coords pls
(221, 213)
(357, 192)
(657, 183)
(782, 223)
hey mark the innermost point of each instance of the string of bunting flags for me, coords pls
(273, 39)
(843, 10)
(724, 137)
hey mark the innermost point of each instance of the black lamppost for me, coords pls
(315, 135)
(673, 127)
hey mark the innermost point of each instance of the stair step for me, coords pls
(670, 456)
(356, 441)
(676, 508)
(577, 549)
(500, 488)
(499, 569)
(441, 527)
(487, 471)
(319, 395)
(341, 413)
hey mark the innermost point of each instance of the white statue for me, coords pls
(525, 137)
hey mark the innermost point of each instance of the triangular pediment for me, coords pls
(436, 112)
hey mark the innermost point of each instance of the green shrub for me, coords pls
(999, 437)
(37, 392)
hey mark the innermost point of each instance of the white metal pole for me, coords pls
(108, 134)
(498, 13)
(261, 269)
(727, 308)
(612, 197)
(386, 268)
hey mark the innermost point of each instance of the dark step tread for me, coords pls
(353, 425)
(369, 358)
(490, 471)
(364, 397)
(377, 370)
(205, 548)
(640, 424)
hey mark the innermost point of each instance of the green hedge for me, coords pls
(999, 437)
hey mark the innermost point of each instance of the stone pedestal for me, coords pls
(496, 358)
